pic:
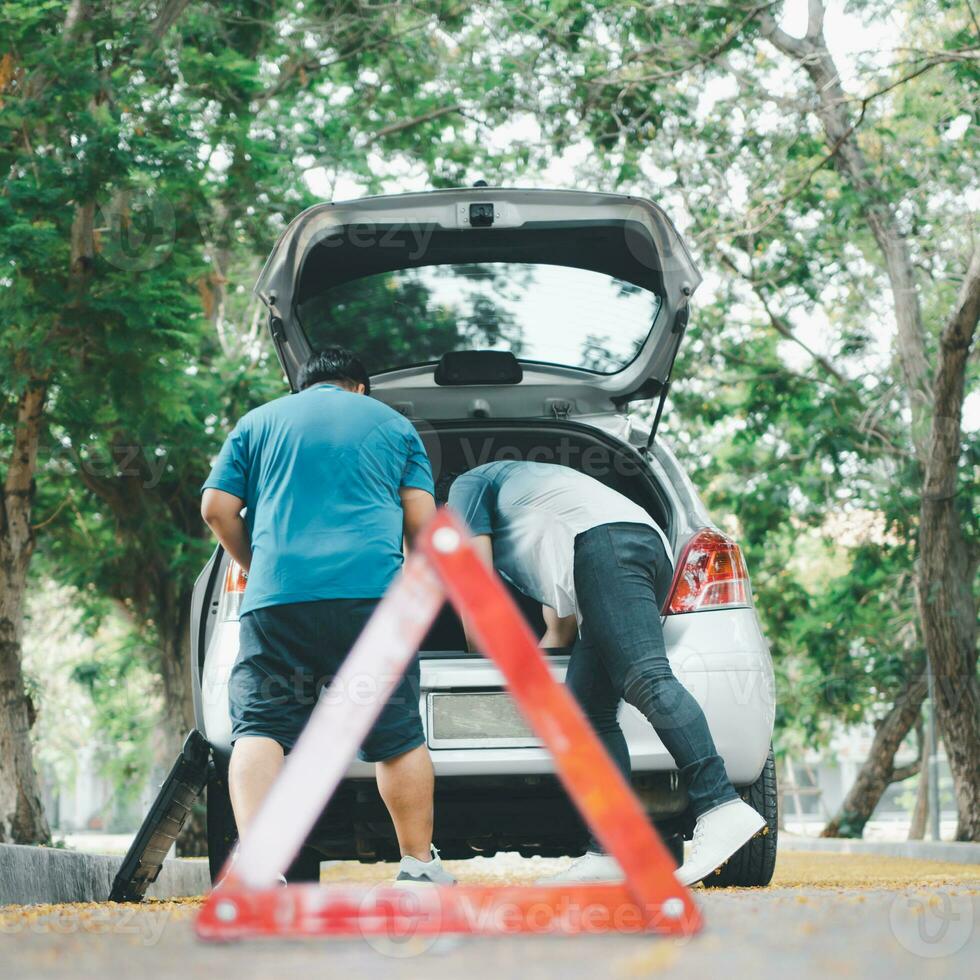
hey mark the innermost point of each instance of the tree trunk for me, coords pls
(22, 818)
(945, 576)
(920, 814)
(878, 771)
(813, 56)
(947, 569)
(175, 671)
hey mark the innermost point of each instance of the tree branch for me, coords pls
(794, 47)
(425, 117)
(813, 56)
(814, 18)
(900, 773)
(168, 15)
(778, 323)
(954, 350)
(783, 329)
(699, 60)
(957, 337)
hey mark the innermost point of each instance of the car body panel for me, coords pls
(720, 656)
(652, 256)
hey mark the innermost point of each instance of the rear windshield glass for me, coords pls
(539, 312)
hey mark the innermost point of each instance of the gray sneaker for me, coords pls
(412, 871)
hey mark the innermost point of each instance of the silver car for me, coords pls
(506, 324)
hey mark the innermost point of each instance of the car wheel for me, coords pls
(305, 867)
(223, 835)
(675, 844)
(753, 865)
(221, 827)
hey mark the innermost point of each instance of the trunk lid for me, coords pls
(487, 301)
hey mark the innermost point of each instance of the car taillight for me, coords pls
(232, 592)
(711, 574)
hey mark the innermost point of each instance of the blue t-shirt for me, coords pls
(320, 472)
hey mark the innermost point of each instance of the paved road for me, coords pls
(828, 915)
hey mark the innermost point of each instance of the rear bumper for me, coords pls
(721, 657)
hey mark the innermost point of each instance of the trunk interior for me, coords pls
(457, 447)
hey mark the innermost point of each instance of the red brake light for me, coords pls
(711, 574)
(231, 594)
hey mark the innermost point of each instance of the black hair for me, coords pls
(334, 364)
(444, 484)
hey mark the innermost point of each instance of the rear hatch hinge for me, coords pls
(559, 408)
(664, 390)
(278, 331)
(678, 330)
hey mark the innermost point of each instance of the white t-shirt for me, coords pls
(533, 512)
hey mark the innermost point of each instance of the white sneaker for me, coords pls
(412, 871)
(718, 834)
(591, 866)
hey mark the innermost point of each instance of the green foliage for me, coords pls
(191, 144)
(691, 106)
(146, 169)
(825, 538)
(120, 689)
(93, 692)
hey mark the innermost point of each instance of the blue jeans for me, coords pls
(622, 574)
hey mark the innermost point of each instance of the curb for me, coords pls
(48, 875)
(953, 852)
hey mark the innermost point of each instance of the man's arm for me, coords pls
(560, 631)
(483, 546)
(419, 508)
(222, 512)
(474, 498)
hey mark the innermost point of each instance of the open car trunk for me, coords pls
(455, 447)
(478, 302)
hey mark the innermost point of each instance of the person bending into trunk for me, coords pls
(598, 561)
(332, 480)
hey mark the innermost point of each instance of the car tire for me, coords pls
(753, 865)
(675, 844)
(221, 828)
(223, 835)
(305, 867)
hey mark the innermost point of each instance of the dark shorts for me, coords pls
(288, 653)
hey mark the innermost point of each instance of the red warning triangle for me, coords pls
(445, 566)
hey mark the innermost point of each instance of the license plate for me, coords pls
(479, 720)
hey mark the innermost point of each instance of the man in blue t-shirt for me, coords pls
(331, 481)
